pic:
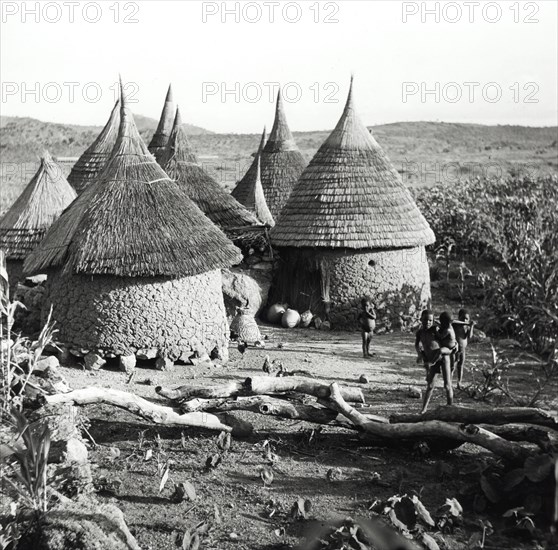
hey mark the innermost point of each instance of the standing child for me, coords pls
(463, 328)
(437, 345)
(367, 323)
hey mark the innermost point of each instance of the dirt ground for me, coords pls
(232, 497)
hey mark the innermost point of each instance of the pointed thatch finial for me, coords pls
(178, 148)
(262, 142)
(280, 138)
(164, 128)
(255, 200)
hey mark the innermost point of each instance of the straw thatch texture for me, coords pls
(133, 221)
(240, 192)
(255, 199)
(351, 196)
(96, 156)
(181, 164)
(282, 163)
(24, 225)
(164, 128)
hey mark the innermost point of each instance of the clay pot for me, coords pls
(306, 318)
(291, 318)
(275, 313)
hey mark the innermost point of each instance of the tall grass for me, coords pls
(513, 223)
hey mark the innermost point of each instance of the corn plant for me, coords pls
(28, 463)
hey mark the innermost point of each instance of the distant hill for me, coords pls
(423, 152)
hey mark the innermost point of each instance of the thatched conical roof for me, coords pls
(240, 192)
(351, 196)
(47, 194)
(181, 164)
(133, 221)
(255, 200)
(164, 128)
(96, 156)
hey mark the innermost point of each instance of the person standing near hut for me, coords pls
(367, 323)
(350, 228)
(463, 328)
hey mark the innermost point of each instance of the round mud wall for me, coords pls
(122, 315)
(398, 281)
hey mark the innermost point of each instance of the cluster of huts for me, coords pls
(134, 242)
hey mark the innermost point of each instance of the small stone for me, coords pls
(127, 363)
(414, 392)
(164, 364)
(45, 363)
(94, 361)
(363, 379)
(76, 451)
(147, 354)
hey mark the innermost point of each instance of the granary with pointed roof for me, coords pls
(281, 165)
(182, 165)
(164, 128)
(350, 230)
(134, 264)
(95, 157)
(24, 225)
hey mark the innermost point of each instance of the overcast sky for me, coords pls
(494, 64)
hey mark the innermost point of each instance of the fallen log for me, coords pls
(430, 428)
(232, 389)
(515, 432)
(483, 415)
(157, 414)
(263, 404)
(268, 385)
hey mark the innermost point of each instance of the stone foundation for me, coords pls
(121, 315)
(398, 281)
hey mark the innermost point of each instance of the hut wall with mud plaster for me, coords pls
(134, 264)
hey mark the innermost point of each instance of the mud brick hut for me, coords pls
(281, 165)
(182, 165)
(351, 229)
(24, 225)
(164, 128)
(134, 265)
(95, 157)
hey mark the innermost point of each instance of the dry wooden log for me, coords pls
(483, 415)
(431, 428)
(263, 404)
(232, 389)
(262, 385)
(155, 413)
(516, 432)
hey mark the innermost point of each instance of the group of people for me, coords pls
(441, 345)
